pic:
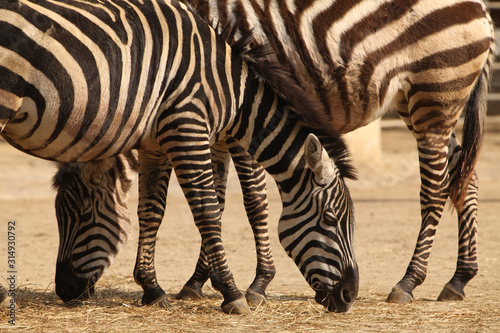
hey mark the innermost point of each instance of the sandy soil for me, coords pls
(387, 214)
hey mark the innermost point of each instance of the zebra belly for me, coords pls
(43, 137)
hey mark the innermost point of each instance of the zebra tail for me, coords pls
(473, 134)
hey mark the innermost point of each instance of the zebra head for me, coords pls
(316, 230)
(93, 221)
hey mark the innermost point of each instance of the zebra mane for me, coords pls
(281, 81)
(66, 172)
(274, 74)
(339, 152)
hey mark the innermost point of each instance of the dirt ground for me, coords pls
(387, 215)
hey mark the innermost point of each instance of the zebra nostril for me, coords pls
(70, 287)
(346, 296)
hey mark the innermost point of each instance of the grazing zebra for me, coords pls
(84, 81)
(93, 219)
(94, 225)
(339, 53)
(428, 60)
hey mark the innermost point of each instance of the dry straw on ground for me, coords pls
(115, 310)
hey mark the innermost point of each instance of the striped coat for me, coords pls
(426, 60)
(85, 81)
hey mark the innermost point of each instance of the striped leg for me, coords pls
(253, 183)
(154, 176)
(252, 179)
(192, 289)
(467, 265)
(192, 164)
(432, 142)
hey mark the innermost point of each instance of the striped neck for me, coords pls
(272, 134)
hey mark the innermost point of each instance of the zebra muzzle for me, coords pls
(340, 297)
(71, 288)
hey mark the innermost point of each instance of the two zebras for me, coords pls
(83, 81)
(424, 59)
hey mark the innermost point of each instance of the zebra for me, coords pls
(153, 76)
(322, 44)
(428, 60)
(252, 180)
(93, 220)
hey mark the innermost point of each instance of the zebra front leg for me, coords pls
(154, 176)
(193, 168)
(253, 183)
(467, 265)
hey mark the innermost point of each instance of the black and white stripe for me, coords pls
(93, 219)
(91, 197)
(428, 60)
(83, 81)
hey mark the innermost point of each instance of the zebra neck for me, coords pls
(273, 135)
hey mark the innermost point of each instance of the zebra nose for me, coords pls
(348, 287)
(66, 284)
(341, 297)
(70, 287)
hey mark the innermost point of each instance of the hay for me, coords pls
(114, 309)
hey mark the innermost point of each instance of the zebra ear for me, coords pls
(318, 160)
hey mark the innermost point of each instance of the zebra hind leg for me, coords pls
(192, 289)
(432, 142)
(467, 264)
(154, 176)
(197, 183)
(252, 180)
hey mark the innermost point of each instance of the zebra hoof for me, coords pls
(159, 299)
(188, 293)
(399, 296)
(449, 293)
(255, 299)
(239, 306)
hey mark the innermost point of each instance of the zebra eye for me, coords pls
(330, 219)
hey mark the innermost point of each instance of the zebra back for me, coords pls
(362, 59)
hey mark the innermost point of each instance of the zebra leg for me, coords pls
(154, 176)
(192, 288)
(432, 146)
(252, 179)
(253, 183)
(467, 265)
(220, 157)
(197, 182)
